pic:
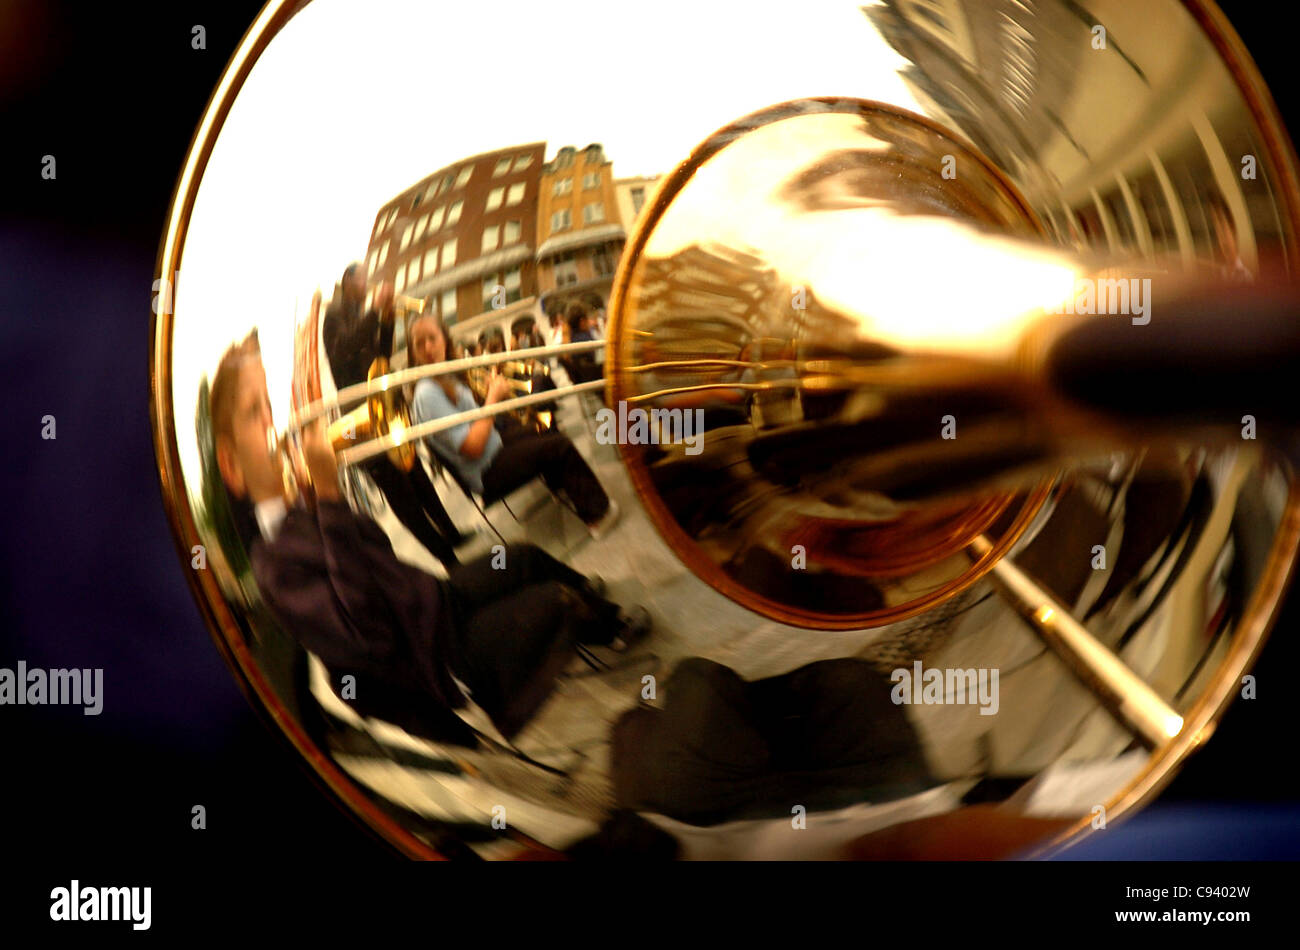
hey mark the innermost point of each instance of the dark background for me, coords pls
(89, 574)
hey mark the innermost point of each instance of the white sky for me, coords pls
(355, 101)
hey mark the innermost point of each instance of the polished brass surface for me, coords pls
(807, 473)
(853, 282)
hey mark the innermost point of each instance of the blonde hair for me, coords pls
(225, 385)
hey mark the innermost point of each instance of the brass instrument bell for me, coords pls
(891, 466)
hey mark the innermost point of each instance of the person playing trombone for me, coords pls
(497, 630)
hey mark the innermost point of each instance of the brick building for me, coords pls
(580, 233)
(632, 196)
(500, 240)
(463, 238)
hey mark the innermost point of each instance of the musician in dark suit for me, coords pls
(498, 630)
(351, 334)
(581, 367)
(352, 342)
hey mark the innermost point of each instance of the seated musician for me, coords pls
(416, 645)
(581, 367)
(495, 459)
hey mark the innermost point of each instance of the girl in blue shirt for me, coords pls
(493, 460)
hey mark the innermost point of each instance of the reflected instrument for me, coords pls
(406, 306)
(383, 413)
(403, 434)
(525, 377)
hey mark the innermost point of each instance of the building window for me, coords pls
(422, 228)
(449, 254)
(453, 213)
(509, 282)
(370, 262)
(435, 219)
(437, 189)
(401, 280)
(502, 166)
(448, 181)
(416, 199)
(491, 238)
(449, 306)
(431, 261)
(591, 180)
(593, 213)
(561, 220)
(413, 272)
(406, 235)
(638, 199)
(494, 199)
(383, 253)
(602, 261)
(513, 232)
(562, 186)
(399, 336)
(566, 270)
(522, 162)
(464, 176)
(516, 194)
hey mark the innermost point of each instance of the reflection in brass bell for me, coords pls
(383, 414)
(941, 397)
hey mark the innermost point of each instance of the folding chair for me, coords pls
(394, 739)
(449, 471)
